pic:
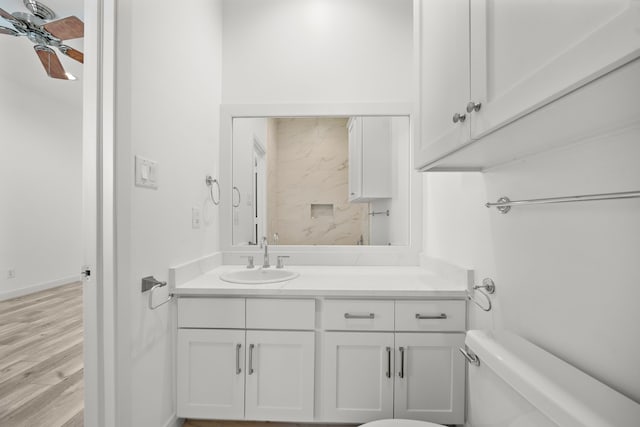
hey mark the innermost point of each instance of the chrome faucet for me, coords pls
(265, 245)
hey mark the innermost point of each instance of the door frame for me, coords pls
(103, 389)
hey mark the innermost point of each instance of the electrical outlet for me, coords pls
(11, 273)
(195, 217)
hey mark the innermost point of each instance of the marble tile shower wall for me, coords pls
(311, 168)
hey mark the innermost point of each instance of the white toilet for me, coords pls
(517, 384)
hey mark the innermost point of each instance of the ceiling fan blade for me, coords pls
(6, 15)
(9, 31)
(67, 28)
(72, 53)
(50, 62)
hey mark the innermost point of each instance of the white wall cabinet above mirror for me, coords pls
(510, 59)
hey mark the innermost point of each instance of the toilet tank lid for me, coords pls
(565, 394)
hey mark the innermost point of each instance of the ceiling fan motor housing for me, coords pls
(39, 10)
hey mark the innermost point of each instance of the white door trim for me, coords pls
(100, 347)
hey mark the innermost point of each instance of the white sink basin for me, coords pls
(258, 276)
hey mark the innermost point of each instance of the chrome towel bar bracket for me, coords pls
(150, 283)
(504, 204)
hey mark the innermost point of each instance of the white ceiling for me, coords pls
(21, 66)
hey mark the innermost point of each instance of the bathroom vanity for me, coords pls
(337, 344)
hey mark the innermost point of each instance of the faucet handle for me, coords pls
(280, 262)
(249, 260)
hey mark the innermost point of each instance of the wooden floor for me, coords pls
(41, 366)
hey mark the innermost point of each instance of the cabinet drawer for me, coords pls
(211, 312)
(358, 315)
(430, 316)
(281, 314)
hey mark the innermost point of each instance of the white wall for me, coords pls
(167, 110)
(317, 51)
(40, 183)
(567, 275)
(394, 229)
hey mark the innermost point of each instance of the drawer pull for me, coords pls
(401, 373)
(238, 369)
(431, 316)
(359, 316)
(388, 362)
(251, 359)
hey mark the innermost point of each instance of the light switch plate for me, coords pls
(146, 173)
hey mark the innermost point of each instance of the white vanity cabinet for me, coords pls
(393, 359)
(211, 373)
(280, 376)
(369, 158)
(255, 371)
(358, 380)
(429, 381)
(486, 63)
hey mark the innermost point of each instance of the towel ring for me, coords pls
(210, 182)
(487, 284)
(237, 191)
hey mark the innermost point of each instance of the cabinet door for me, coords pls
(210, 374)
(280, 376)
(358, 377)
(443, 39)
(525, 54)
(354, 128)
(376, 158)
(429, 384)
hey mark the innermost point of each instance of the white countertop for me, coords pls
(330, 281)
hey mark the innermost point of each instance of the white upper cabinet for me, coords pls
(525, 54)
(495, 61)
(369, 158)
(444, 77)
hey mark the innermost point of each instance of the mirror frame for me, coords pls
(319, 254)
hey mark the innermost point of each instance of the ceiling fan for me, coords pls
(39, 27)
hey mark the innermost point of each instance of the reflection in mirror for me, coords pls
(321, 180)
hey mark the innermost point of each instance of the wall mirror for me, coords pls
(320, 180)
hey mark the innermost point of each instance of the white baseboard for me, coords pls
(29, 289)
(174, 421)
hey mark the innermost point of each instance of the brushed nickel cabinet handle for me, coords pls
(237, 191)
(388, 362)
(457, 117)
(473, 106)
(431, 316)
(251, 358)
(238, 369)
(359, 316)
(401, 373)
